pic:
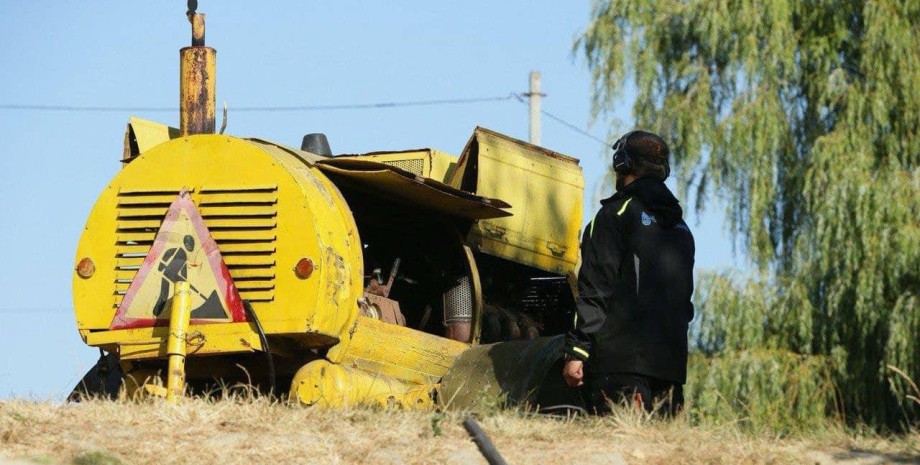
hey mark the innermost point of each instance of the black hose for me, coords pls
(103, 370)
(264, 341)
(482, 440)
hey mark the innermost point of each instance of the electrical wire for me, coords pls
(365, 106)
(356, 106)
(295, 108)
(84, 109)
(574, 128)
(520, 98)
(264, 341)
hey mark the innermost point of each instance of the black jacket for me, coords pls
(635, 285)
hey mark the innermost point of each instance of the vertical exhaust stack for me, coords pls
(197, 76)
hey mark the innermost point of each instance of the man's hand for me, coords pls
(573, 372)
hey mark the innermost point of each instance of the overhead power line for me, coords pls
(82, 109)
(574, 128)
(355, 106)
(520, 98)
(362, 106)
(295, 108)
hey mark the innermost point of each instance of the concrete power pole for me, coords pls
(535, 97)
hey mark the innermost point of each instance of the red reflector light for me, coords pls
(86, 268)
(304, 268)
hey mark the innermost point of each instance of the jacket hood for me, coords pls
(656, 197)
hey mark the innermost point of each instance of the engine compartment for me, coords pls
(443, 287)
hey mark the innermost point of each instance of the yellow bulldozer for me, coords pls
(411, 278)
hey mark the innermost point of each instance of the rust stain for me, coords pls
(197, 21)
(336, 283)
(197, 114)
(245, 343)
(351, 331)
(323, 190)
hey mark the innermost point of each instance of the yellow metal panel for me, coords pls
(242, 260)
(128, 199)
(429, 163)
(442, 165)
(242, 222)
(323, 384)
(545, 190)
(398, 352)
(129, 261)
(414, 190)
(140, 343)
(123, 274)
(340, 263)
(248, 211)
(253, 273)
(235, 235)
(249, 247)
(417, 162)
(146, 135)
(281, 211)
(238, 196)
(145, 211)
(255, 285)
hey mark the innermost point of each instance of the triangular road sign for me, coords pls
(182, 251)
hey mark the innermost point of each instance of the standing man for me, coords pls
(629, 339)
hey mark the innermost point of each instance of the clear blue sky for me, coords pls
(53, 165)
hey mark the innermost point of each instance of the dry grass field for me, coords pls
(255, 431)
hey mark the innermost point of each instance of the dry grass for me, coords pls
(235, 431)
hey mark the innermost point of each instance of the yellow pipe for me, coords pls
(179, 315)
(197, 88)
(326, 384)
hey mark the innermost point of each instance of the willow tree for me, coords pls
(802, 117)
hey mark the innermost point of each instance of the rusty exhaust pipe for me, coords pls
(197, 76)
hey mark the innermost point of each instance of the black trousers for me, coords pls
(652, 394)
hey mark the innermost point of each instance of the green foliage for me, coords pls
(801, 117)
(749, 368)
(436, 423)
(761, 391)
(739, 314)
(96, 458)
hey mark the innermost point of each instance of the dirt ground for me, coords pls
(249, 432)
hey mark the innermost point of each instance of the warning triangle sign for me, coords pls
(182, 251)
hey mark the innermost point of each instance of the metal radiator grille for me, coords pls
(413, 165)
(242, 220)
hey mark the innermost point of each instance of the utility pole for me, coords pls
(535, 97)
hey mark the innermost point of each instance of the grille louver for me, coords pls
(242, 220)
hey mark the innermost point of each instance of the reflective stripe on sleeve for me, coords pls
(581, 352)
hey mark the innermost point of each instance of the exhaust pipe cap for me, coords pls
(316, 143)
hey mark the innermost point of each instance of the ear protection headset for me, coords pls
(622, 160)
(622, 163)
